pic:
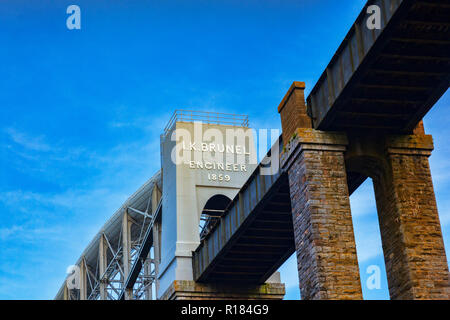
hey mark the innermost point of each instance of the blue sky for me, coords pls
(81, 112)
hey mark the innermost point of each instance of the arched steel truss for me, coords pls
(121, 262)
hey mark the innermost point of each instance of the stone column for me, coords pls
(414, 253)
(324, 239)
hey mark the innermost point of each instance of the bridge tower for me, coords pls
(324, 167)
(206, 158)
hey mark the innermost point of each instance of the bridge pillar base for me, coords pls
(191, 290)
(324, 239)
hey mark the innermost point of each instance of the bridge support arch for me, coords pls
(318, 164)
(413, 246)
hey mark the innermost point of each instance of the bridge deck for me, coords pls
(386, 79)
(253, 238)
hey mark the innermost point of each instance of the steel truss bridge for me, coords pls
(121, 262)
(385, 79)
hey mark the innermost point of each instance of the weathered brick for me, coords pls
(326, 250)
(413, 247)
(292, 110)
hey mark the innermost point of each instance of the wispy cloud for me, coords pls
(35, 143)
(365, 222)
(87, 185)
(146, 123)
(6, 233)
(369, 248)
(31, 234)
(362, 202)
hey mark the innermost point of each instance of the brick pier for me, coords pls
(318, 163)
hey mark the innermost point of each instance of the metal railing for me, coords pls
(240, 120)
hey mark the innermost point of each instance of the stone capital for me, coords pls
(409, 144)
(311, 139)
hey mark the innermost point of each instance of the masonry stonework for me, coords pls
(413, 247)
(317, 163)
(324, 239)
(292, 111)
(190, 290)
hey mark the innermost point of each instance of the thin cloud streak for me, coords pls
(26, 141)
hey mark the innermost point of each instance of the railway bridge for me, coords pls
(363, 118)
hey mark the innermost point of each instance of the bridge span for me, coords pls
(363, 118)
(388, 78)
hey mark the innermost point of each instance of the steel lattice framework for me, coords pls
(121, 262)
